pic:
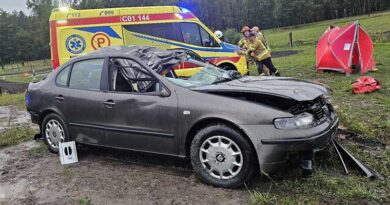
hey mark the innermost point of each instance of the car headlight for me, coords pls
(301, 121)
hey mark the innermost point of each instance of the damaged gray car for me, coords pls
(229, 126)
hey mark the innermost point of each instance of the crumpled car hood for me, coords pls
(298, 90)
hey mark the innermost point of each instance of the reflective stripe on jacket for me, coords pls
(258, 51)
(261, 37)
(243, 43)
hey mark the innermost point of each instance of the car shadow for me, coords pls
(169, 164)
(182, 167)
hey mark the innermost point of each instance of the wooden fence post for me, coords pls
(290, 39)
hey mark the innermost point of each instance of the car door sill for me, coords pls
(134, 150)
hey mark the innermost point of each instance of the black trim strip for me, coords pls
(134, 131)
(288, 141)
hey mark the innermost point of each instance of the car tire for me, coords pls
(221, 156)
(53, 131)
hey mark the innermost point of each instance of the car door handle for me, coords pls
(109, 103)
(60, 98)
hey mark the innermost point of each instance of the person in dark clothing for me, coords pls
(267, 62)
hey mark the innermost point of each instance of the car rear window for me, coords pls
(86, 75)
(62, 77)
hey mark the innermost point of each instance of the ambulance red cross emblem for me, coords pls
(100, 40)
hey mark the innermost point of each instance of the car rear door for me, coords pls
(83, 102)
(139, 119)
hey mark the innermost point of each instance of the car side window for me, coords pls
(207, 39)
(191, 33)
(129, 76)
(169, 31)
(62, 76)
(86, 75)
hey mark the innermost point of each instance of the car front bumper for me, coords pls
(275, 146)
(301, 144)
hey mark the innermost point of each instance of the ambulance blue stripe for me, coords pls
(105, 29)
(224, 46)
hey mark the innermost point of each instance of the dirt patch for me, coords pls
(104, 177)
(29, 174)
(278, 54)
(10, 116)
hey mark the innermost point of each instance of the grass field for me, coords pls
(38, 65)
(13, 99)
(15, 72)
(15, 135)
(367, 115)
(23, 79)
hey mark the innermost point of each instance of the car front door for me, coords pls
(84, 110)
(137, 116)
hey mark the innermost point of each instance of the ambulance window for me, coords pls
(62, 77)
(191, 33)
(169, 31)
(207, 39)
(86, 75)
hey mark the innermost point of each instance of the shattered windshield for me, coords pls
(208, 74)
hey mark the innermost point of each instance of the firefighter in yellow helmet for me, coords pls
(260, 54)
(243, 43)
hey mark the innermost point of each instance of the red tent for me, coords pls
(342, 49)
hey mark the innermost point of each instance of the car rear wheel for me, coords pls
(54, 131)
(221, 156)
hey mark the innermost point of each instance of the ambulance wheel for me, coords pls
(54, 131)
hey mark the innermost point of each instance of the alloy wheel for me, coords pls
(54, 133)
(221, 157)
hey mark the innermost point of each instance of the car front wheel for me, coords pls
(54, 131)
(221, 156)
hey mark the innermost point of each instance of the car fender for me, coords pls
(197, 107)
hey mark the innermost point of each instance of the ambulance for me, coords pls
(75, 32)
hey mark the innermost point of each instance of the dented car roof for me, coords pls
(154, 57)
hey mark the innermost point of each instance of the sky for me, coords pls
(11, 5)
